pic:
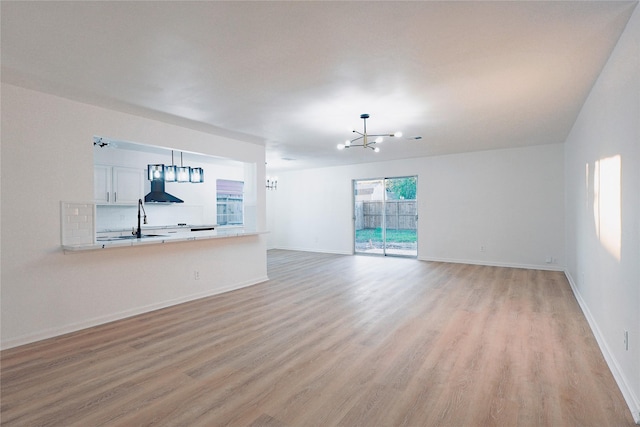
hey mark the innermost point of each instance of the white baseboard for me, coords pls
(100, 320)
(314, 250)
(629, 396)
(549, 267)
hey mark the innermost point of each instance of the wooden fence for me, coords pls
(401, 214)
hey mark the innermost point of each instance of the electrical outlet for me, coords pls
(626, 340)
(196, 275)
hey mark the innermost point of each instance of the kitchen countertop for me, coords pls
(219, 233)
(165, 227)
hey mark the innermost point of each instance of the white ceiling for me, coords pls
(294, 76)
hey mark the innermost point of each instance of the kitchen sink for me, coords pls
(127, 237)
(142, 237)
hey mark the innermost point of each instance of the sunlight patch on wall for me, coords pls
(607, 204)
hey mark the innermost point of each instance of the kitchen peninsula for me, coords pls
(161, 235)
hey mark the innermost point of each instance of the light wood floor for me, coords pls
(332, 340)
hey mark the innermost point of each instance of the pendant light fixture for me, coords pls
(196, 175)
(170, 172)
(155, 172)
(173, 173)
(365, 137)
(182, 172)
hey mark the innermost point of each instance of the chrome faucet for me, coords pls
(138, 232)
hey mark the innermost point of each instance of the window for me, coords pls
(230, 202)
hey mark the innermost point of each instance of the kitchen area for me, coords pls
(145, 194)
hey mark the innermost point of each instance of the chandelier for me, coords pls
(272, 183)
(174, 173)
(367, 140)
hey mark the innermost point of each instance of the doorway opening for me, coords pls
(386, 216)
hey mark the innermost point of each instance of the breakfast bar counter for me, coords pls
(158, 238)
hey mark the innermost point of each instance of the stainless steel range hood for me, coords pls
(158, 195)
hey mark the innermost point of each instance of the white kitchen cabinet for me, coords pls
(116, 185)
(101, 184)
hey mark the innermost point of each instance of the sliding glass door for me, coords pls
(385, 216)
(368, 215)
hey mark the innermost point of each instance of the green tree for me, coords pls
(403, 188)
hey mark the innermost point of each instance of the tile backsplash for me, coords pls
(78, 225)
(123, 217)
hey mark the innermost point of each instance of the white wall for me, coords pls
(510, 201)
(603, 210)
(47, 157)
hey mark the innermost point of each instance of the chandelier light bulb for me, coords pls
(340, 146)
(347, 143)
(376, 150)
(397, 134)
